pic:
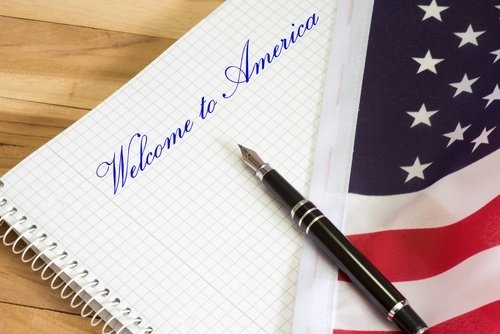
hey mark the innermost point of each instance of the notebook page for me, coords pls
(182, 232)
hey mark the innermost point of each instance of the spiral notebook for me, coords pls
(144, 211)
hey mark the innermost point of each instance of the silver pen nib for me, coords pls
(250, 158)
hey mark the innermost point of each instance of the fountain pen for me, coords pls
(339, 249)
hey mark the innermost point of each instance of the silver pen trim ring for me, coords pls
(305, 214)
(396, 308)
(313, 221)
(297, 206)
(263, 170)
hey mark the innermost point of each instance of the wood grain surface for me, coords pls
(58, 60)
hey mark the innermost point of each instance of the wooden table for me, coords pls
(58, 60)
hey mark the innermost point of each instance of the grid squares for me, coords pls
(193, 243)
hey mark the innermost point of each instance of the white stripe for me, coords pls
(450, 199)
(469, 285)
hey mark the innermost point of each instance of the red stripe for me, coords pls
(483, 320)
(412, 254)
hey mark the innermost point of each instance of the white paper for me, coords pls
(193, 243)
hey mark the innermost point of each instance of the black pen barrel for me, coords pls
(354, 264)
(346, 256)
(335, 245)
(280, 186)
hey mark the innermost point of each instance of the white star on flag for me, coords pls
(464, 85)
(427, 63)
(469, 36)
(496, 54)
(432, 10)
(422, 116)
(495, 95)
(483, 138)
(457, 134)
(416, 170)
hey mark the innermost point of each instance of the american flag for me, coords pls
(424, 200)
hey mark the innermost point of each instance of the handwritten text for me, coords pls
(122, 167)
(137, 155)
(246, 69)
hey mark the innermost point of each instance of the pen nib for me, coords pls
(243, 149)
(250, 158)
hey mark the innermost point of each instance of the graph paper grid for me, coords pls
(193, 244)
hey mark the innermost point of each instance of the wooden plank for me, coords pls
(25, 126)
(16, 319)
(11, 156)
(19, 111)
(67, 65)
(161, 18)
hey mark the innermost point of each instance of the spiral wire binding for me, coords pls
(101, 296)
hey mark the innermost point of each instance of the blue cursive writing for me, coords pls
(122, 167)
(246, 69)
(134, 157)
